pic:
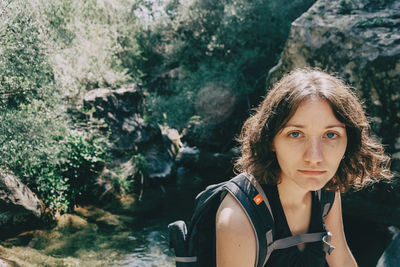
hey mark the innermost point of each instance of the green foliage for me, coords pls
(53, 51)
(139, 164)
(174, 110)
(121, 184)
(94, 43)
(227, 32)
(82, 158)
(229, 42)
(25, 71)
(30, 137)
(53, 189)
(69, 180)
(30, 147)
(49, 50)
(123, 179)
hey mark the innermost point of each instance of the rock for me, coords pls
(7, 263)
(159, 164)
(391, 256)
(358, 40)
(25, 239)
(172, 138)
(211, 166)
(102, 217)
(131, 204)
(19, 206)
(188, 156)
(71, 222)
(128, 99)
(121, 110)
(368, 204)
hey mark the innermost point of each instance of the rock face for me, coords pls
(391, 256)
(120, 112)
(360, 41)
(19, 206)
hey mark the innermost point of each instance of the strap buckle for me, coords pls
(328, 248)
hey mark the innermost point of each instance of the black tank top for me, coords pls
(312, 254)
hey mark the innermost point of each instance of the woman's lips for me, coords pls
(312, 172)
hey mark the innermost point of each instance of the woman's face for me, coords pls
(310, 146)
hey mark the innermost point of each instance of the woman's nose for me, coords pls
(313, 151)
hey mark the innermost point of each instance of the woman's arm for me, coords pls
(341, 256)
(235, 237)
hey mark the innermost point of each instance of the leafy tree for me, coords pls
(25, 71)
(50, 52)
(227, 42)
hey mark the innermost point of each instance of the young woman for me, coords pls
(310, 132)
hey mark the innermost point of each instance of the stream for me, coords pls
(137, 240)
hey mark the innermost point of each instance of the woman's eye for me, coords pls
(294, 134)
(331, 135)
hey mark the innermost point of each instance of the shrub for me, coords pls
(25, 71)
(94, 43)
(49, 50)
(53, 189)
(82, 159)
(30, 137)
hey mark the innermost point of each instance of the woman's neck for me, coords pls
(291, 194)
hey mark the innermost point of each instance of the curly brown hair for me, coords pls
(364, 161)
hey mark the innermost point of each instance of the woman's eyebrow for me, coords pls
(303, 126)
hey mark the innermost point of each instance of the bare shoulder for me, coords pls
(230, 215)
(236, 241)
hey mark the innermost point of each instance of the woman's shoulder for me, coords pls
(230, 215)
(236, 240)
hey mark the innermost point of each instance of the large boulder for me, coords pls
(359, 40)
(391, 256)
(20, 209)
(120, 111)
(141, 150)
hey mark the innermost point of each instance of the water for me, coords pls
(94, 247)
(139, 240)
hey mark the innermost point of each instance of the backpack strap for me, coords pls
(250, 195)
(254, 202)
(177, 238)
(326, 199)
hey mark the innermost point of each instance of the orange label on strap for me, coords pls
(258, 199)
